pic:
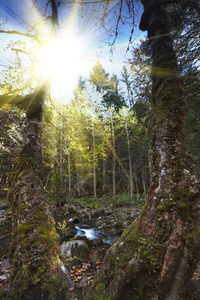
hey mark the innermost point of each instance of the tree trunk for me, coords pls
(113, 156)
(36, 269)
(157, 254)
(61, 156)
(69, 175)
(94, 160)
(104, 171)
(144, 181)
(130, 165)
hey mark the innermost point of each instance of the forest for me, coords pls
(99, 189)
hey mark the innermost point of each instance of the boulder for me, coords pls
(95, 213)
(72, 209)
(74, 248)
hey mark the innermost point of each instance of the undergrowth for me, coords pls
(106, 200)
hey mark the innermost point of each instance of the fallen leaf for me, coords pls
(85, 266)
(97, 261)
(89, 278)
(71, 289)
(78, 272)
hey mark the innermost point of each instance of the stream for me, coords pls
(89, 233)
(93, 233)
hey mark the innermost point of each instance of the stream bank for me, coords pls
(97, 227)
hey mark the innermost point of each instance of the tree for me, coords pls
(126, 79)
(109, 87)
(127, 118)
(187, 44)
(36, 268)
(157, 254)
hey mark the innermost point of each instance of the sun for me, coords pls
(62, 60)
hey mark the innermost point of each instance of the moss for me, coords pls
(28, 165)
(179, 197)
(136, 245)
(37, 253)
(166, 204)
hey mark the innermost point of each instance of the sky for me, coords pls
(92, 36)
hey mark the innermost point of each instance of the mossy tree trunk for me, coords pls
(157, 254)
(36, 269)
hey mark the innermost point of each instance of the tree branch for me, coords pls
(20, 33)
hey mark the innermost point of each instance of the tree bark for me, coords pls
(36, 269)
(113, 157)
(157, 254)
(94, 160)
(69, 175)
(130, 164)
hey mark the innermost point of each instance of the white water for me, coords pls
(92, 234)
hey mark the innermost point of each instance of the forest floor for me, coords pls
(110, 221)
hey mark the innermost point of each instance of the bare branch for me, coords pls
(20, 33)
(118, 20)
(22, 51)
(83, 2)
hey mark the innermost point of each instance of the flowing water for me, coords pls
(93, 233)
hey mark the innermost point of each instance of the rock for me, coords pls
(109, 212)
(83, 238)
(95, 213)
(3, 277)
(67, 236)
(118, 224)
(113, 240)
(5, 263)
(75, 220)
(130, 218)
(97, 242)
(84, 281)
(72, 209)
(85, 226)
(74, 248)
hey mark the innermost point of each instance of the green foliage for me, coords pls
(109, 87)
(63, 226)
(109, 201)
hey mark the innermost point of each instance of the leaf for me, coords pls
(71, 289)
(84, 266)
